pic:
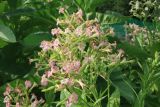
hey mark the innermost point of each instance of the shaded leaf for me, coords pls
(123, 85)
(2, 43)
(133, 50)
(6, 34)
(34, 40)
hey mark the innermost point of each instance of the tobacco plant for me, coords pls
(87, 63)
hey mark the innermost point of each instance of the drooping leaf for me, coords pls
(6, 34)
(123, 85)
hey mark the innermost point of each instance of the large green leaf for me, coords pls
(123, 85)
(6, 34)
(133, 50)
(3, 5)
(34, 40)
(2, 43)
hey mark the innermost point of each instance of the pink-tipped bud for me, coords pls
(61, 10)
(28, 84)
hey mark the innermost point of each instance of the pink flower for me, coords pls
(52, 63)
(56, 43)
(46, 45)
(8, 104)
(67, 81)
(96, 30)
(78, 31)
(67, 67)
(53, 68)
(79, 13)
(73, 98)
(49, 74)
(7, 101)
(28, 84)
(8, 90)
(61, 10)
(56, 31)
(88, 31)
(71, 66)
(35, 103)
(44, 81)
(76, 65)
(17, 104)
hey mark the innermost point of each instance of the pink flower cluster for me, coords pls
(71, 66)
(35, 101)
(72, 99)
(56, 31)
(19, 95)
(67, 67)
(47, 45)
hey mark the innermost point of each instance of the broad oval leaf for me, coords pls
(33, 40)
(6, 34)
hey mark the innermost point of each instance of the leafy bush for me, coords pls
(89, 59)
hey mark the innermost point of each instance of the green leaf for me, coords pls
(155, 47)
(63, 97)
(34, 40)
(133, 50)
(6, 34)
(21, 11)
(49, 96)
(114, 100)
(2, 43)
(1, 22)
(64, 94)
(3, 5)
(123, 84)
